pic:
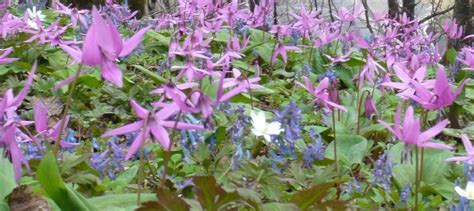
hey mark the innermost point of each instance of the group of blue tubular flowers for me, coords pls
(32, 152)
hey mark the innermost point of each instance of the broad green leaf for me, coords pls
(451, 55)
(3, 206)
(435, 169)
(120, 201)
(279, 206)
(7, 177)
(124, 179)
(350, 148)
(50, 179)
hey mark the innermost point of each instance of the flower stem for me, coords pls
(141, 166)
(57, 145)
(359, 105)
(140, 175)
(417, 181)
(335, 142)
(168, 151)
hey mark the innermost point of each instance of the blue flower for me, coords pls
(109, 162)
(313, 151)
(290, 120)
(382, 172)
(405, 194)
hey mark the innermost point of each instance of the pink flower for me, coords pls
(3, 56)
(152, 124)
(321, 93)
(75, 14)
(8, 106)
(281, 49)
(469, 158)
(41, 124)
(410, 132)
(452, 29)
(443, 95)
(237, 85)
(306, 21)
(233, 51)
(405, 86)
(9, 24)
(346, 15)
(103, 45)
(4, 5)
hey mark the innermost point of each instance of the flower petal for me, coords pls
(124, 129)
(133, 42)
(111, 73)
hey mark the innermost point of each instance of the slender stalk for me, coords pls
(168, 152)
(359, 105)
(35, 141)
(335, 142)
(141, 173)
(417, 181)
(57, 145)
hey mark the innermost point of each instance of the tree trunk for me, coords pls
(462, 14)
(409, 8)
(253, 3)
(393, 8)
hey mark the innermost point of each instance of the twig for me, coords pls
(366, 12)
(436, 14)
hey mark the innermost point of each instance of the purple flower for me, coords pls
(103, 45)
(469, 158)
(382, 172)
(452, 29)
(321, 93)
(314, 150)
(410, 132)
(3, 56)
(9, 123)
(152, 124)
(290, 120)
(441, 97)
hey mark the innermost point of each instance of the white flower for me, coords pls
(468, 193)
(33, 16)
(261, 128)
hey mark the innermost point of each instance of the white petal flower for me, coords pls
(262, 128)
(468, 193)
(33, 16)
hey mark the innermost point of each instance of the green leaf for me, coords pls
(451, 55)
(279, 206)
(435, 169)
(50, 179)
(3, 206)
(7, 177)
(120, 201)
(210, 195)
(124, 179)
(156, 78)
(162, 40)
(350, 148)
(305, 198)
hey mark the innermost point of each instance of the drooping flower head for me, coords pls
(410, 131)
(103, 46)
